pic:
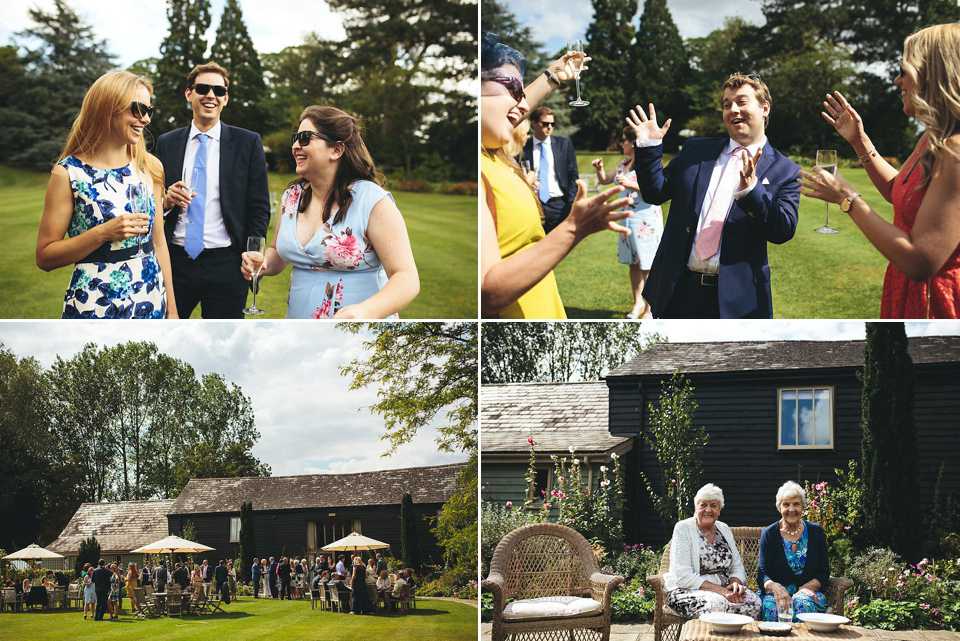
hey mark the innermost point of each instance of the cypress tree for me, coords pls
(248, 542)
(89, 552)
(233, 49)
(603, 84)
(182, 50)
(661, 68)
(890, 499)
(408, 533)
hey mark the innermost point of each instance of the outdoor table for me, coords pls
(697, 630)
(160, 598)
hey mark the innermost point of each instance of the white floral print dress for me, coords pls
(338, 266)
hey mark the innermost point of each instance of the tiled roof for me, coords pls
(119, 526)
(556, 415)
(425, 484)
(665, 358)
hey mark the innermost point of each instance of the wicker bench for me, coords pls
(748, 544)
(548, 560)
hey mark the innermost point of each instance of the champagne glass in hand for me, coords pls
(827, 160)
(192, 186)
(576, 61)
(255, 248)
(138, 205)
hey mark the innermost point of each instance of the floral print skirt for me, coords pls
(131, 288)
(693, 603)
(802, 603)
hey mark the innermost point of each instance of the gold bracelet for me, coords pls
(867, 156)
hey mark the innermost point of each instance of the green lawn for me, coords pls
(251, 619)
(813, 275)
(442, 228)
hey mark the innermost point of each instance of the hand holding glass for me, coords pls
(138, 205)
(576, 61)
(827, 160)
(255, 249)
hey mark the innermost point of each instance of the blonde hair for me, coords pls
(515, 146)
(931, 60)
(737, 80)
(108, 96)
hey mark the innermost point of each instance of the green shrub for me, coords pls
(462, 189)
(637, 561)
(496, 521)
(632, 602)
(875, 574)
(887, 614)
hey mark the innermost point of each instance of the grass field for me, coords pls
(813, 275)
(442, 229)
(250, 619)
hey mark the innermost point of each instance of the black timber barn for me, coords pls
(740, 389)
(297, 515)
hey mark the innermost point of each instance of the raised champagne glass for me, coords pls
(255, 248)
(827, 160)
(576, 62)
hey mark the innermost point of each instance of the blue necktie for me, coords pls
(193, 236)
(543, 175)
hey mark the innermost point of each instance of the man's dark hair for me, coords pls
(537, 114)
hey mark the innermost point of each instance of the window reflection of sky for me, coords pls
(805, 417)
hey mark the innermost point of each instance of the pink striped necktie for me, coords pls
(708, 242)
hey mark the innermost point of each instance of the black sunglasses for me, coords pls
(139, 110)
(303, 137)
(203, 89)
(548, 124)
(754, 76)
(513, 85)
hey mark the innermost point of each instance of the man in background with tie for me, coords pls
(555, 164)
(208, 233)
(729, 198)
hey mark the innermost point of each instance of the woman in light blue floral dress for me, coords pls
(101, 195)
(339, 229)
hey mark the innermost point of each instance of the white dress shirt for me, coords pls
(214, 231)
(555, 190)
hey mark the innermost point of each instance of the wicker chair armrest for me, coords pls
(656, 582)
(604, 585)
(836, 591)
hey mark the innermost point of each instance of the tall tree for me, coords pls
(660, 68)
(184, 48)
(408, 533)
(422, 369)
(456, 528)
(890, 499)
(559, 352)
(233, 49)
(51, 81)
(248, 540)
(608, 44)
(88, 552)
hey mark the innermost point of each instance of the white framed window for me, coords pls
(805, 418)
(234, 529)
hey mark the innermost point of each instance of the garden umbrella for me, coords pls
(355, 541)
(33, 551)
(172, 545)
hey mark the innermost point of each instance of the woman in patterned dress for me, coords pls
(923, 242)
(339, 228)
(706, 573)
(122, 266)
(794, 565)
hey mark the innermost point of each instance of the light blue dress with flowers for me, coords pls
(802, 603)
(111, 282)
(338, 266)
(639, 247)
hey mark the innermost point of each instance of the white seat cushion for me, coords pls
(551, 606)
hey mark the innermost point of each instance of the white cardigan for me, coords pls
(685, 556)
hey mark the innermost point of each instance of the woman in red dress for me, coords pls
(923, 243)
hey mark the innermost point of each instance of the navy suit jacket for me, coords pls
(244, 195)
(564, 164)
(766, 214)
(773, 560)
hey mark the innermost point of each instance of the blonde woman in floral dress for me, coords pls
(339, 228)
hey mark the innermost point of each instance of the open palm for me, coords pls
(645, 126)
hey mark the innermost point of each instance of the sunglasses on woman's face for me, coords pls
(139, 110)
(203, 89)
(303, 137)
(513, 85)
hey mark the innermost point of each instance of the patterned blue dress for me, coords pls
(111, 282)
(338, 266)
(802, 603)
(639, 247)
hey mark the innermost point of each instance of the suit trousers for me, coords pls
(555, 211)
(285, 587)
(693, 299)
(256, 587)
(212, 280)
(102, 597)
(273, 586)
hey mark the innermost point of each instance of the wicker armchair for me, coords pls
(548, 560)
(666, 622)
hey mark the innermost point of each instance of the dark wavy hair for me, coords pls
(355, 163)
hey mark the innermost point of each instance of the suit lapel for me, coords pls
(227, 144)
(766, 160)
(703, 175)
(176, 161)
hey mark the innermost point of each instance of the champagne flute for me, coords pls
(138, 205)
(192, 186)
(576, 61)
(827, 160)
(255, 249)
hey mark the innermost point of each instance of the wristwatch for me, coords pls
(847, 202)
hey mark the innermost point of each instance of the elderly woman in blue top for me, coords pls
(793, 564)
(706, 573)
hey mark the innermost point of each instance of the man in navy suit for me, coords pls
(729, 198)
(207, 234)
(101, 586)
(558, 179)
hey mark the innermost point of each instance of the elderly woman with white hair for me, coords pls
(706, 573)
(794, 567)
